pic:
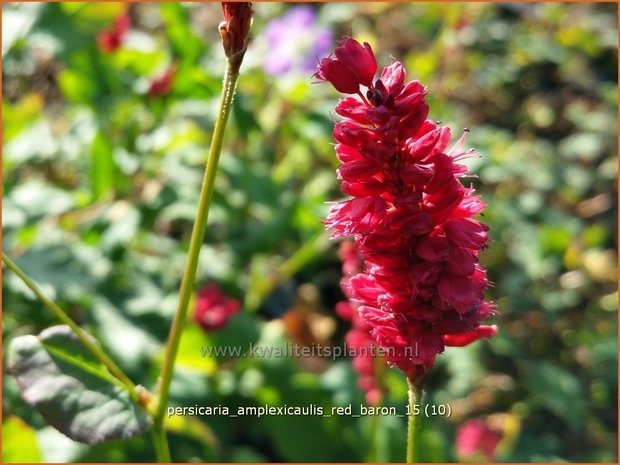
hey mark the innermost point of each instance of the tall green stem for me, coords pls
(83, 337)
(197, 237)
(160, 442)
(373, 451)
(416, 410)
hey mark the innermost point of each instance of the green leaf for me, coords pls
(104, 11)
(76, 86)
(139, 61)
(558, 390)
(132, 343)
(38, 199)
(190, 356)
(58, 448)
(19, 442)
(245, 119)
(103, 169)
(71, 390)
(83, 268)
(21, 114)
(185, 44)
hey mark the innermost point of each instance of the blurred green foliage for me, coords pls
(101, 182)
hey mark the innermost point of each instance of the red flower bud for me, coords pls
(354, 65)
(358, 58)
(339, 75)
(235, 30)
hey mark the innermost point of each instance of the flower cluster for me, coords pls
(213, 308)
(111, 39)
(412, 219)
(358, 337)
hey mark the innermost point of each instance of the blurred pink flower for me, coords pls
(421, 287)
(358, 338)
(111, 39)
(161, 85)
(476, 440)
(214, 308)
(294, 40)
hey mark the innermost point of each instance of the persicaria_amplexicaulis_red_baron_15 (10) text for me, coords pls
(413, 221)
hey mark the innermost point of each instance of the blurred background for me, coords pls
(108, 111)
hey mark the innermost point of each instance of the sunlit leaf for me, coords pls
(19, 442)
(71, 390)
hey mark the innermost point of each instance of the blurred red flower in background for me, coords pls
(475, 439)
(214, 309)
(111, 39)
(359, 339)
(161, 85)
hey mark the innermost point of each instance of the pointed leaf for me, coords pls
(71, 390)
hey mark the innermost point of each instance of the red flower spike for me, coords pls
(421, 287)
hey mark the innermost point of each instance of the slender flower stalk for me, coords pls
(422, 286)
(198, 233)
(160, 441)
(234, 32)
(138, 394)
(413, 422)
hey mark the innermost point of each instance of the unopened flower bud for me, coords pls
(235, 30)
(354, 65)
